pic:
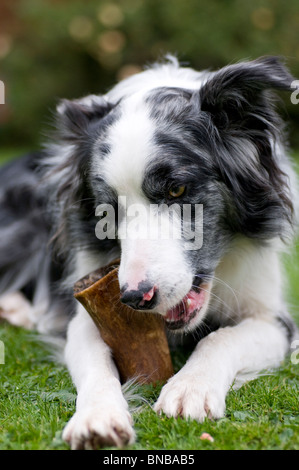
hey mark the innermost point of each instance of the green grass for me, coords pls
(37, 399)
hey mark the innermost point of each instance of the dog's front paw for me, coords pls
(191, 397)
(93, 428)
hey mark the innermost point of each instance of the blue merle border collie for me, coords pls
(167, 135)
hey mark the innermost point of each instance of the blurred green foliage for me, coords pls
(67, 48)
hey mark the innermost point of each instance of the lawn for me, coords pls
(37, 399)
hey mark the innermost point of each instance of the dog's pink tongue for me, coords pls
(184, 310)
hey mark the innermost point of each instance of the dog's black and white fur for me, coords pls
(217, 135)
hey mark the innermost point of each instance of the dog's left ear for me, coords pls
(236, 96)
(239, 106)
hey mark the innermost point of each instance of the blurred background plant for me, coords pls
(51, 49)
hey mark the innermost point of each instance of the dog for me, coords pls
(167, 136)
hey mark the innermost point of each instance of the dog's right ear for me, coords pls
(66, 163)
(74, 117)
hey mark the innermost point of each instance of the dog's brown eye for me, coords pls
(176, 191)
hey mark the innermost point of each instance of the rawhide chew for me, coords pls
(137, 339)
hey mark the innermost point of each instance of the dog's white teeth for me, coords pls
(188, 302)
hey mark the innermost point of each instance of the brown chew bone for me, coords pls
(137, 339)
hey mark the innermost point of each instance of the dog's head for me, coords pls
(184, 170)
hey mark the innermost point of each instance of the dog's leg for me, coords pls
(102, 417)
(199, 389)
(17, 310)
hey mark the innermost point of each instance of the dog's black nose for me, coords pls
(141, 299)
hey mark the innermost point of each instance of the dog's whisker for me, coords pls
(223, 283)
(221, 301)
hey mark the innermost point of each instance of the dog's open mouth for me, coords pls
(181, 314)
